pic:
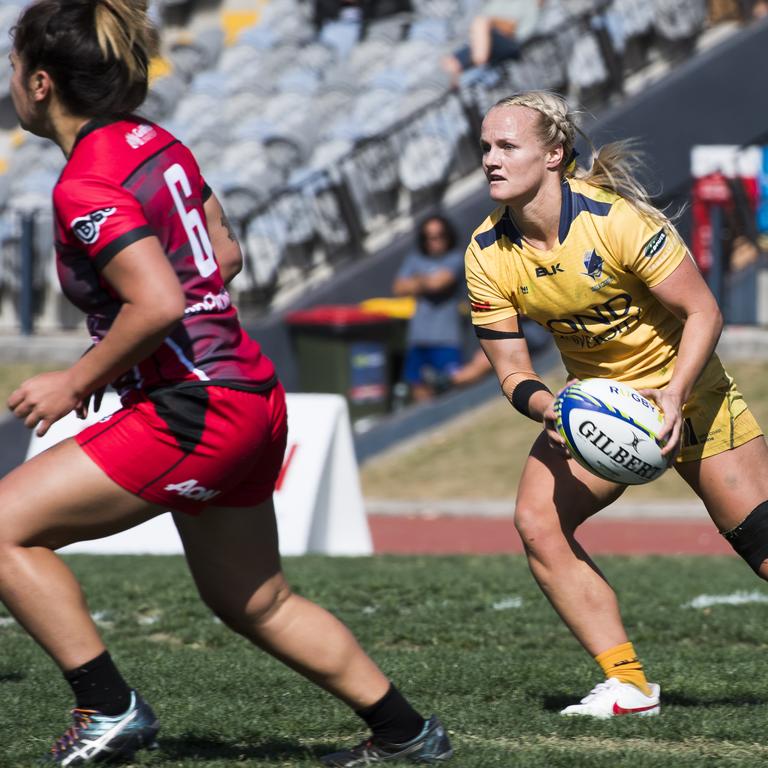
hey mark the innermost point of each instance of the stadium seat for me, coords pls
(677, 24)
(325, 155)
(316, 56)
(163, 96)
(241, 106)
(299, 80)
(434, 31)
(425, 162)
(390, 29)
(370, 56)
(342, 36)
(234, 22)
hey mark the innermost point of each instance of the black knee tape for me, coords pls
(750, 538)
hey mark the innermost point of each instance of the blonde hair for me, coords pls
(124, 32)
(613, 166)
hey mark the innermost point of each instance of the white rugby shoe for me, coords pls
(612, 697)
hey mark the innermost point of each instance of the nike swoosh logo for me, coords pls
(617, 710)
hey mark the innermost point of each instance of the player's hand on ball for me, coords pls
(554, 437)
(44, 399)
(556, 440)
(670, 403)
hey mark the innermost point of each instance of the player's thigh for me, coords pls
(556, 494)
(61, 496)
(732, 483)
(233, 555)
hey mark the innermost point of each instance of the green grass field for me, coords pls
(470, 637)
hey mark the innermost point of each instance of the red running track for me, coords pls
(493, 535)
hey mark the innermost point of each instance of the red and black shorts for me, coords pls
(187, 447)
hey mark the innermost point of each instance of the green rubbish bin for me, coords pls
(347, 351)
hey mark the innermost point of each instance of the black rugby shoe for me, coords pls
(430, 746)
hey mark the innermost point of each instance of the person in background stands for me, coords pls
(495, 35)
(434, 276)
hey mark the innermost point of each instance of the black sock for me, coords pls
(99, 685)
(392, 718)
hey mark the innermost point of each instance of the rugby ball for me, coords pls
(610, 429)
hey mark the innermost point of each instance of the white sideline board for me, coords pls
(318, 501)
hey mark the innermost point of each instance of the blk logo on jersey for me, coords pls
(549, 271)
(87, 228)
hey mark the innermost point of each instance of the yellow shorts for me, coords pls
(715, 418)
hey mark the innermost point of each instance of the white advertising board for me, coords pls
(318, 502)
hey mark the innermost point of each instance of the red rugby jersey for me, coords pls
(127, 179)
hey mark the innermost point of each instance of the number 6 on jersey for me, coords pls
(202, 250)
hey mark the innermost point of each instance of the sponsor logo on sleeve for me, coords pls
(140, 135)
(656, 244)
(88, 227)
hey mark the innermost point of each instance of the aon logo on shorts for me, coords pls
(189, 489)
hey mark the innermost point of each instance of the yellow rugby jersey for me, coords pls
(591, 291)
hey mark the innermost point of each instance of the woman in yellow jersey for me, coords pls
(586, 255)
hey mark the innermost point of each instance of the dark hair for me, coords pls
(450, 232)
(96, 52)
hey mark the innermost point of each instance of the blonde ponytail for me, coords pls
(124, 32)
(614, 166)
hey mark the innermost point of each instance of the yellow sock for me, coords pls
(622, 663)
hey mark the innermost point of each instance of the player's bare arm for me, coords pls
(687, 296)
(223, 239)
(153, 302)
(439, 281)
(504, 344)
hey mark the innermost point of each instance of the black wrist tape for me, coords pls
(521, 394)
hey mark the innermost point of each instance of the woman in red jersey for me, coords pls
(144, 249)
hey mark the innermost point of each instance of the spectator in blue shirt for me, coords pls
(434, 276)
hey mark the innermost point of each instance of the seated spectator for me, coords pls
(478, 365)
(495, 35)
(434, 276)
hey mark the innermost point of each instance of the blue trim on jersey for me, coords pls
(575, 203)
(504, 227)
